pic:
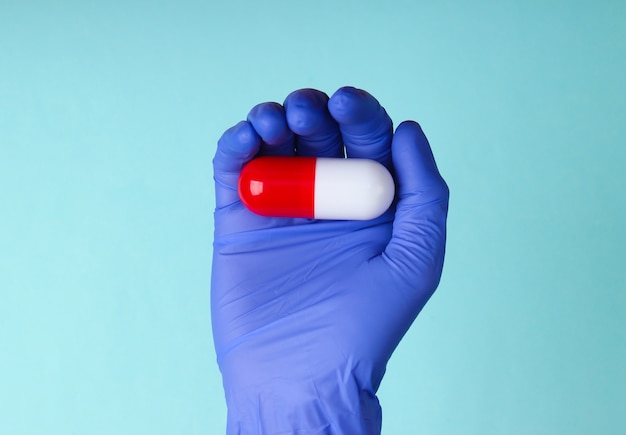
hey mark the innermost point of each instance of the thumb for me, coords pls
(417, 245)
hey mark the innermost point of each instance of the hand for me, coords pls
(307, 313)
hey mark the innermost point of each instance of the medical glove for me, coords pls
(306, 313)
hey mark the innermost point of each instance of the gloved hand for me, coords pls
(306, 313)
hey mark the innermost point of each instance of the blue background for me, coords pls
(109, 116)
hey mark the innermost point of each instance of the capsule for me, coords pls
(316, 187)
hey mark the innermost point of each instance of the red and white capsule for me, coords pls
(316, 187)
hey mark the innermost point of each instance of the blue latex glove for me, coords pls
(306, 313)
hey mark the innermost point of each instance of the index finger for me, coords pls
(364, 124)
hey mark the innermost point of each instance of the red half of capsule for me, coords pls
(279, 186)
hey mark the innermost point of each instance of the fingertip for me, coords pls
(414, 163)
(306, 110)
(268, 119)
(349, 105)
(237, 146)
(410, 126)
(240, 140)
(365, 126)
(410, 142)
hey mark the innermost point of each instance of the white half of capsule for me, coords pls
(351, 189)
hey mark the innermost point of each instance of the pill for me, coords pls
(316, 187)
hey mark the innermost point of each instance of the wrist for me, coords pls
(302, 409)
(333, 403)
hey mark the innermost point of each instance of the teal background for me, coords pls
(109, 116)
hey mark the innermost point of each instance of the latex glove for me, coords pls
(306, 313)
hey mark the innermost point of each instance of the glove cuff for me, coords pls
(321, 406)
